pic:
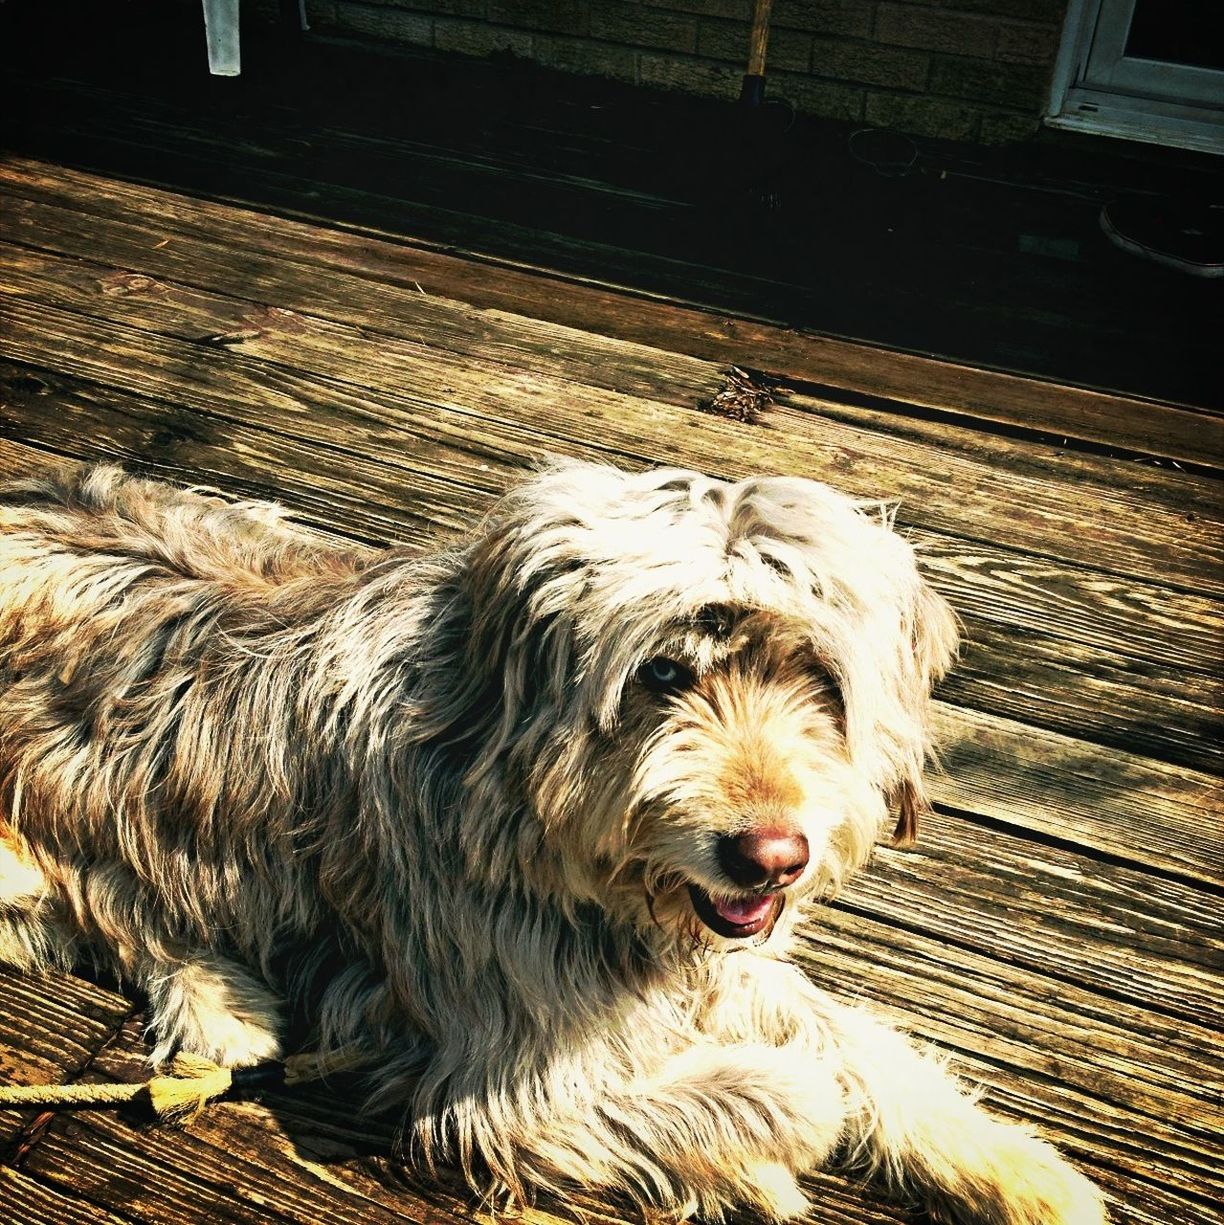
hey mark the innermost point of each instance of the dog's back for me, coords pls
(77, 511)
(107, 580)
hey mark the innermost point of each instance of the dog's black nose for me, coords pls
(763, 857)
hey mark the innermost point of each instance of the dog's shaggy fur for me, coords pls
(498, 812)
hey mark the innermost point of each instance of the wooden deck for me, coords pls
(1057, 928)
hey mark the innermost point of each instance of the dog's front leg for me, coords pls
(704, 1130)
(907, 1120)
(209, 1005)
(737, 1124)
(912, 1124)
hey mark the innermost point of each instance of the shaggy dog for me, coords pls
(532, 820)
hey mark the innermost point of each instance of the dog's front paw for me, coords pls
(233, 1041)
(767, 1188)
(1025, 1181)
(212, 1007)
(228, 1040)
(1051, 1191)
(779, 1195)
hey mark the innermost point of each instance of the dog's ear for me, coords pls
(934, 639)
(521, 582)
(912, 806)
(518, 626)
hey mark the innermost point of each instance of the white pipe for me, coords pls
(221, 31)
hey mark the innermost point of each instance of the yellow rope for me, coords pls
(181, 1097)
(193, 1083)
(21, 1097)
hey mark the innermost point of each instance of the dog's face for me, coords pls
(712, 692)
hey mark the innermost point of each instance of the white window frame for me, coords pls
(1097, 89)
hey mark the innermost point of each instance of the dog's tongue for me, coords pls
(744, 910)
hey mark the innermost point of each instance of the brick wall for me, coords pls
(961, 69)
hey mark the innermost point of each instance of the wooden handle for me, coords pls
(759, 38)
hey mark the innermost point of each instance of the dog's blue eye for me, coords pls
(663, 675)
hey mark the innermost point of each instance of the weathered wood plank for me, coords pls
(1111, 528)
(1012, 772)
(146, 298)
(1134, 619)
(1127, 617)
(322, 484)
(1051, 911)
(1099, 1046)
(360, 277)
(1129, 808)
(1137, 1189)
(566, 354)
(51, 1026)
(423, 374)
(27, 1201)
(1089, 692)
(21, 458)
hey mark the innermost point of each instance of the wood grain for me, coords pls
(1126, 617)
(51, 1026)
(257, 359)
(395, 271)
(436, 322)
(1089, 692)
(1055, 912)
(28, 1201)
(1113, 803)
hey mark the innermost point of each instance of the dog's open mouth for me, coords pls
(738, 917)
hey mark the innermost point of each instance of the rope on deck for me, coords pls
(193, 1082)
